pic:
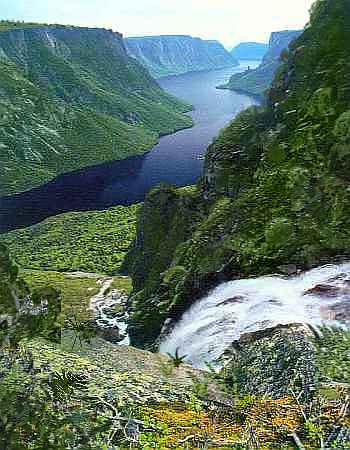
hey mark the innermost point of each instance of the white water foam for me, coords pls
(247, 305)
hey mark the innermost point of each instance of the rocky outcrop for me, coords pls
(274, 362)
(175, 55)
(249, 51)
(69, 98)
(293, 361)
(258, 80)
(279, 41)
(173, 214)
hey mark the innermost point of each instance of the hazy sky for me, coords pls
(230, 21)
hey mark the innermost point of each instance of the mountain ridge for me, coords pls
(249, 50)
(166, 55)
(255, 82)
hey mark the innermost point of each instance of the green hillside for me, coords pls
(94, 241)
(71, 97)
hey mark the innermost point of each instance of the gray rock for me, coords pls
(288, 269)
(273, 362)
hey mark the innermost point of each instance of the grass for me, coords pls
(122, 284)
(91, 241)
(76, 291)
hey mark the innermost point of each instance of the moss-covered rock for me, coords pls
(166, 219)
(274, 362)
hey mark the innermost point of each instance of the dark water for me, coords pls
(177, 159)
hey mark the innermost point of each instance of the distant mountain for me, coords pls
(71, 97)
(249, 50)
(175, 55)
(258, 80)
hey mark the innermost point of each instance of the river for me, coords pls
(177, 159)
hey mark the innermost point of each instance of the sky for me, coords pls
(229, 21)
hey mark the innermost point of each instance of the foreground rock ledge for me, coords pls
(274, 362)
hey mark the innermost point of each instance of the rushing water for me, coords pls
(110, 311)
(177, 159)
(319, 296)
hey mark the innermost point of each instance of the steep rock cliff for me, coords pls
(71, 97)
(175, 55)
(249, 50)
(276, 184)
(258, 80)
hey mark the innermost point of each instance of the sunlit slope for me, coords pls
(71, 97)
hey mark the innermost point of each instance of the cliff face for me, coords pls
(257, 81)
(249, 50)
(72, 97)
(275, 188)
(174, 55)
(278, 42)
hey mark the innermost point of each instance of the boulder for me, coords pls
(276, 362)
(288, 269)
(228, 301)
(324, 290)
(340, 311)
(111, 334)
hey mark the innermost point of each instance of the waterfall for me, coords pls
(206, 330)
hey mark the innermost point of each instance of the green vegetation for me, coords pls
(254, 82)
(8, 279)
(333, 355)
(275, 189)
(25, 314)
(76, 103)
(176, 359)
(122, 283)
(6, 25)
(89, 242)
(76, 289)
(168, 216)
(76, 292)
(104, 396)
